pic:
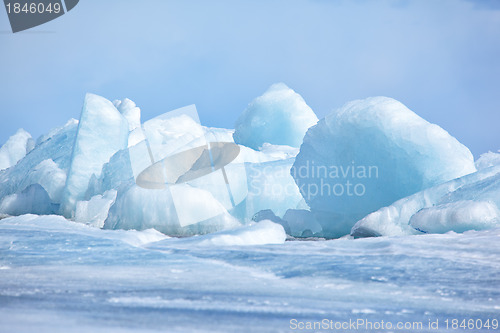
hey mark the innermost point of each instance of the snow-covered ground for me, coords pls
(61, 276)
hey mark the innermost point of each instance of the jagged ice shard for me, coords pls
(102, 132)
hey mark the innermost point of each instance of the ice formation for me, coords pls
(133, 115)
(87, 170)
(368, 154)
(95, 211)
(47, 164)
(32, 200)
(265, 185)
(138, 208)
(130, 111)
(280, 116)
(258, 180)
(458, 216)
(299, 223)
(16, 147)
(466, 203)
(102, 131)
(49, 176)
(270, 186)
(302, 223)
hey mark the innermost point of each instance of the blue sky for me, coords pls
(440, 58)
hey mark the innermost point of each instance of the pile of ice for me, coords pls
(370, 168)
(87, 172)
(368, 154)
(280, 116)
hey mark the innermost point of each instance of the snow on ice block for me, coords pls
(368, 154)
(102, 132)
(469, 202)
(280, 116)
(261, 233)
(16, 147)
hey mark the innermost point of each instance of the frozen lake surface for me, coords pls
(60, 276)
